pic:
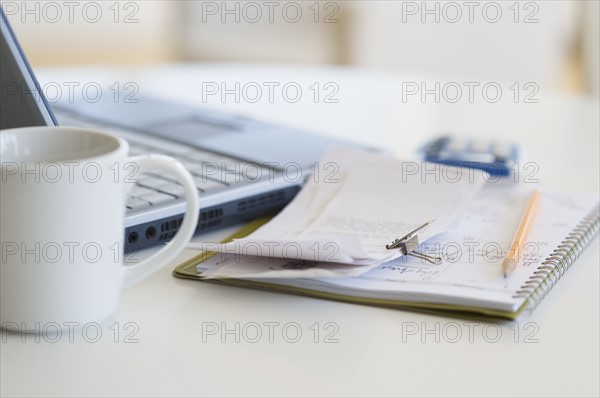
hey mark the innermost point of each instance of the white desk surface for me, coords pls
(554, 353)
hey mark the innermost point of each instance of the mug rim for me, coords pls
(121, 144)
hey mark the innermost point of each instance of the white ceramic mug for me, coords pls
(62, 203)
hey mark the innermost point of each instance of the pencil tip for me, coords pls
(508, 266)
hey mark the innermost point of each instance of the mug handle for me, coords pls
(190, 219)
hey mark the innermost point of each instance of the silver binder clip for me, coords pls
(410, 242)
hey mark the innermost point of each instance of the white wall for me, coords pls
(375, 34)
(56, 32)
(530, 42)
(281, 31)
(466, 43)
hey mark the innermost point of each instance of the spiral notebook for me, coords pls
(470, 279)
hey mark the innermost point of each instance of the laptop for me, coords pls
(243, 168)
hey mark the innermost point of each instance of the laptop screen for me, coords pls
(22, 103)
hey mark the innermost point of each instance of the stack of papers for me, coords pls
(342, 219)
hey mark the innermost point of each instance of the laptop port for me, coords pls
(150, 233)
(133, 237)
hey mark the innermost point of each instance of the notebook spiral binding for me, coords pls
(560, 260)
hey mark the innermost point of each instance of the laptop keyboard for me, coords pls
(158, 188)
(211, 172)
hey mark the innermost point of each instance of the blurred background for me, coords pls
(555, 43)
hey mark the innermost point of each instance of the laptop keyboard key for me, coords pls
(137, 204)
(233, 178)
(207, 185)
(151, 182)
(172, 189)
(137, 191)
(191, 165)
(157, 198)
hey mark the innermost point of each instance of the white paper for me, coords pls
(473, 250)
(356, 204)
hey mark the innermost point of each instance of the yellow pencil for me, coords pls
(512, 257)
